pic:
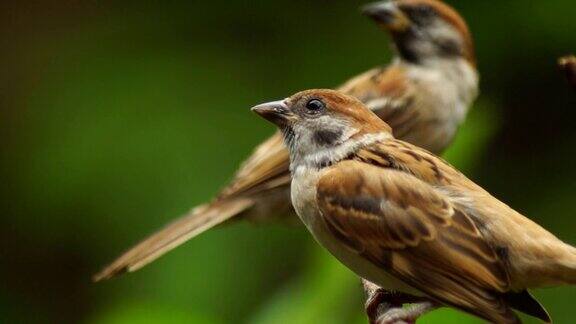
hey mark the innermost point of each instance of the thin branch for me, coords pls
(568, 66)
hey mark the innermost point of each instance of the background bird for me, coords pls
(424, 94)
(405, 219)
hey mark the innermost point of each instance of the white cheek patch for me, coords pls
(438, 39)
(446, 37)
(441, 30)
(322, 133)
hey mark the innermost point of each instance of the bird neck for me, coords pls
(437, 63)
(322, 157)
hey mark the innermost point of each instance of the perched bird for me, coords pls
(406, 220)
(424, 94)
(567, 65)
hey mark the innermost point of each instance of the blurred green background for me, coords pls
(117, 116)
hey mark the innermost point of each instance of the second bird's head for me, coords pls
(315, 121)
(424, 29)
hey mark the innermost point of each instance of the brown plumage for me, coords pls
(424, 95)
(420, 237)
(406, 220)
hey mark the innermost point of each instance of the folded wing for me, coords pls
(406, 227)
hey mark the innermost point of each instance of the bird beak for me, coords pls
(388, 15)
(276, 112)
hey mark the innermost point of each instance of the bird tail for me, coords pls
(558, 269)
(174, 234)
(567, 268)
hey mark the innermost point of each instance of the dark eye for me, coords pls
(314, 105)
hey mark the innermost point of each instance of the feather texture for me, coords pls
(405, 227)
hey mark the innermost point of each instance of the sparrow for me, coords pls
(408, 221)
(424, 94)
(567, 65)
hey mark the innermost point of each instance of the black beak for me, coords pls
(387, 14)
(276, 112)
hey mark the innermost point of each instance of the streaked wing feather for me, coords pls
(388, 93)
(403, 225)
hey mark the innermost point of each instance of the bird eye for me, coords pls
(314, 105)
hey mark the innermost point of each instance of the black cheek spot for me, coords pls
(324, 163)
(327, 137)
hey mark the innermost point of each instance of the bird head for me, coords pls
(321, 122)
(424, 29)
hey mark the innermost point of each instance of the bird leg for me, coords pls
(407, 315)
(387, 305)
(377, 300)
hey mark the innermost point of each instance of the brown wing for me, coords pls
(403, 156)
(388, 93)
(405, 226)
(265, 169)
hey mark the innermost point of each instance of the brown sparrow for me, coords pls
(406, 220)
(424, 94)
(568, 66)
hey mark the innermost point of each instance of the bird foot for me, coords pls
(378, 301)
(385, 307)
(407, 315)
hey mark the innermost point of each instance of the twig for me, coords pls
(568, 65)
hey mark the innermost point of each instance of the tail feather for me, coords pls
(173, 235)
(555, 266)
(567, 268)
